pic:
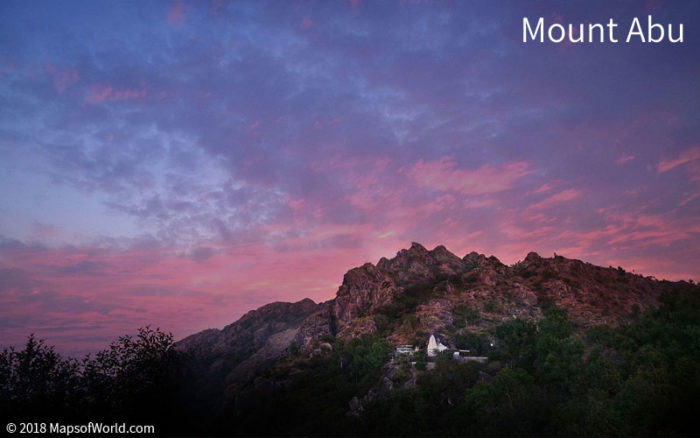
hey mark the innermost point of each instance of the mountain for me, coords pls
(417, 293)
(544, 347)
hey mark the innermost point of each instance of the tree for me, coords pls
(512, 405)
(517, 342)
(134, 378)
(37, 381)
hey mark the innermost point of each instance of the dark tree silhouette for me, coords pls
(134, 379)
(37, 383)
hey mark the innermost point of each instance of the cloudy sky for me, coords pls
(180, 163)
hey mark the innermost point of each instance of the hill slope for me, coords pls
(419, 292)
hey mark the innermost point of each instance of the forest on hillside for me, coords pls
(545, 378)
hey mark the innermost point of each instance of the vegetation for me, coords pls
(407, 301)
(464, 314)
(491, 306)
(640, 379)
(315, 401)
(134, 380)
(402, 308)
(477, 343)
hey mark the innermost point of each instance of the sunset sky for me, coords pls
(180, 163)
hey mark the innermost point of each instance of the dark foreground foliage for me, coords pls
(544, 378)
(134, 381)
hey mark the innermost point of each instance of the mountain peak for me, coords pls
(532, 256)
(415, 246)
(417, 264)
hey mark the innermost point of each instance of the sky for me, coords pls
(179, 163)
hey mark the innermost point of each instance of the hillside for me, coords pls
(422, 291)
(402, 300)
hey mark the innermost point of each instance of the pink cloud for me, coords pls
(689, 198)
(444, 175)
(43, 233)
(120, 291)
(644, 229)
(352, 164)
(296, 204)
(99, 94)
(684, 157)
(104, 93)
(544, 188)
(625, 159)
(634, 230)
(62, 78)
(175, 14)
(557, 198)
(306, 23)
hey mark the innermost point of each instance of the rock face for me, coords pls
(592, 295)
(435, 287)
(252, 330)
(237, 352)
(423, 291)
(363, 290)
(317, 325)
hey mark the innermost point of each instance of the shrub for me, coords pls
(466, 313)
(491, 306)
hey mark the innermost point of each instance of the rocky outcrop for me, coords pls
(363, 290)
(436, 315)
(417, 264)
(592, 295)
(445, 285)
(319, 324)
(368, 288)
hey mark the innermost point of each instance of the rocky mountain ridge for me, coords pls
(422, 291)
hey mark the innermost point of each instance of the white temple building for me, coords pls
(435, 347)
